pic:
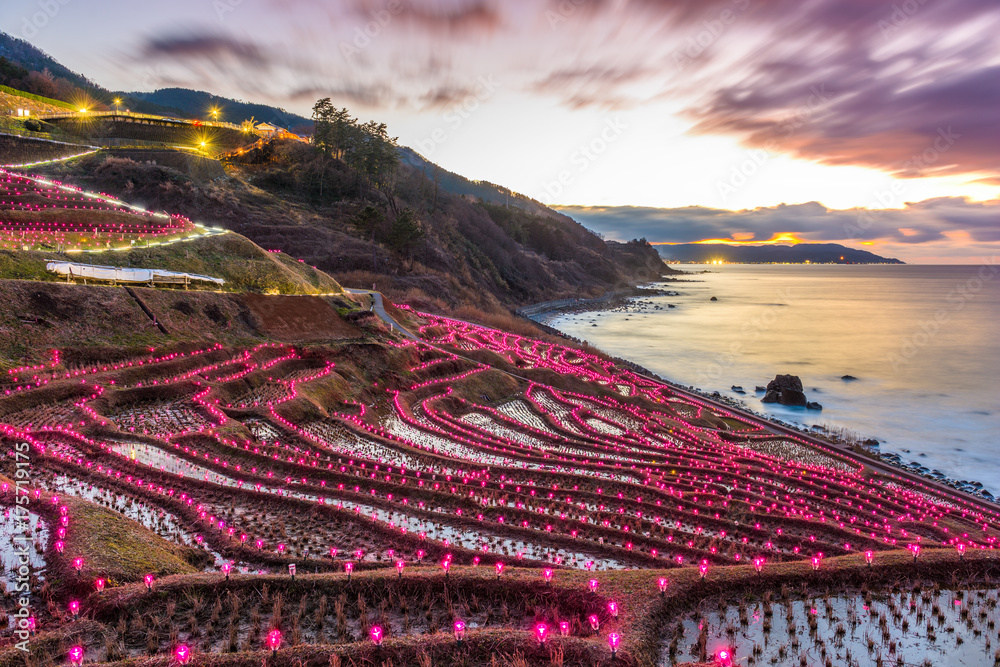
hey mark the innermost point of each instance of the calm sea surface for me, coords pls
(923, 341)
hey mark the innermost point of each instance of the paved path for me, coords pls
(379, 310)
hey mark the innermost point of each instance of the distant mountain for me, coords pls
(196, 104)
(29, 69)
(813, 253)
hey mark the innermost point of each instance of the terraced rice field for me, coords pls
(451, 493)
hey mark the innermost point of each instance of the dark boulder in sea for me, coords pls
(848, 378)
(813, 405)
(760, 389)
(714, 298)
(738, 389)
(786, 390)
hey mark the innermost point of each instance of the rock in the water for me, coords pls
(813, 405)
(714, 298)
(760, 389)
(786, 390)
(871, 443)
(848, 378)
(738, 389)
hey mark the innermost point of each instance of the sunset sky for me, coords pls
(670, 119)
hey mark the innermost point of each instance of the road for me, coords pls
(379, 309)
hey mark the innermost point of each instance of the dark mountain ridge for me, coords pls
(800, 253)
(197, 103)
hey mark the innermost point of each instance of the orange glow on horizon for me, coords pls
(744, 238)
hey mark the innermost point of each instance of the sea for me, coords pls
(923, 343)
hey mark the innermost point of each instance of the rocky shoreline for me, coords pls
(619, 300)
(542, 314)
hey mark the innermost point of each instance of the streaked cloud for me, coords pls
(846, 97)
(933, 224)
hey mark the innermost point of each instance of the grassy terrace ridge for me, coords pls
(125, 550)
(37, 98)
(487, 447)
(245, 266)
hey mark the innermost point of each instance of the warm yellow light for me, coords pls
(83, 111)
(118, 100)
(203, 144)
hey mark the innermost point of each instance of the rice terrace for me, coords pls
(278, 391)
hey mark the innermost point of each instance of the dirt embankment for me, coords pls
(199, 168)
(38, 317)
(299, 318)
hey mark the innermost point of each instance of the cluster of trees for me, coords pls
(367, 147)
(42, 82)
(401, 234)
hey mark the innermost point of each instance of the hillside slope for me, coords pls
(464, 253)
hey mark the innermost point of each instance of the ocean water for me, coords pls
(923, 341)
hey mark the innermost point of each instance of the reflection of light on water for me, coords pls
(844, 626)
(161, 522)
(435, 529)
(25, 534)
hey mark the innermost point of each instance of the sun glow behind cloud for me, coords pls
(782, 238)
